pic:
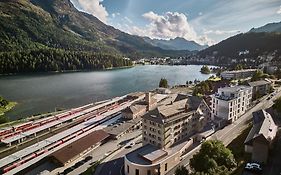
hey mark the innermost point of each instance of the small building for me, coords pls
(229, 103)
(260, 88)
(238, 74)
(74, 150)
(261, 136)
(163, 90)
(134, 111)
(138, 109)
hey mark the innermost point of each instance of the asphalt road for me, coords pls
(114, 166)
(226, 135)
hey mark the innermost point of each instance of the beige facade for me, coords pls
(138, 109)
(171, 123)
(167, 132)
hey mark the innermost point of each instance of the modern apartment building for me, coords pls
(229, 103)
(238, 74)
(167, 134)
(260, 88)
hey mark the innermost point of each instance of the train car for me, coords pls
(10, 135)
(10, 167)
(38, 153)
(31, 127)
(22, 126)
(68, 138)
(5, 132)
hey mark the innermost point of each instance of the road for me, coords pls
(115, 164)
(226, 135)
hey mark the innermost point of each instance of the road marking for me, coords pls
(109, 172)
(115, 163)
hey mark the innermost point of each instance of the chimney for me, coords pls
(148, 98)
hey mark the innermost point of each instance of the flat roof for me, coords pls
(153, 155)
(75, 148)
(239, 71)
(259, 83)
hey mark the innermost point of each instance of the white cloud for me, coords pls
(115, 14)
(221, 32)
(128, 20)
(168, 25)
(279, 10)
(94, 7)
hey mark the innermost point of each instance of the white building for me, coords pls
(238, 74)
(229, 103)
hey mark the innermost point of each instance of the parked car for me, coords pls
(88, 158)
(68, 170)
(129, 146)
(253, 167)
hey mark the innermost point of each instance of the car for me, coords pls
(253, 167)
(133, 143)
(78, 164)
(88, 158)
(68, 170)
(129, 146)
(268, 98)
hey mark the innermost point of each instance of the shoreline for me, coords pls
(66, 71)
(10, 106)
(174, 89)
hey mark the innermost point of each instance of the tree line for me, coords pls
(43, 60)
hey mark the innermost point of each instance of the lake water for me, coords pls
(38, 93)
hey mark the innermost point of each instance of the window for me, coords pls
(137, 172)
(148, 172)
(128, 169)
(166, 166)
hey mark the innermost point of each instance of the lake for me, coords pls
(39, 93)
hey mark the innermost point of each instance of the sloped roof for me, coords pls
(72, 150)
(175, 108)
(134, 108)
(263, 126)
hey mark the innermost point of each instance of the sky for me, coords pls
(202, 21)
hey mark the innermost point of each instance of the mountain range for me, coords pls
(175, 44)
(33, 24)
(257, 41)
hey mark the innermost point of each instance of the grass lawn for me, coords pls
(237, 148)
(214, 79)
(7, 108)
